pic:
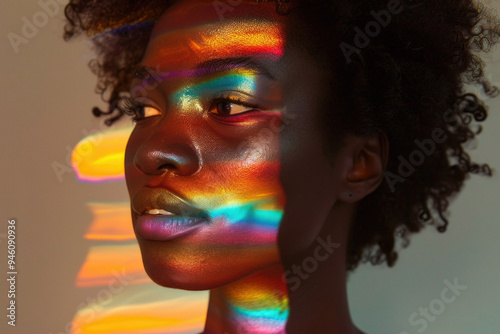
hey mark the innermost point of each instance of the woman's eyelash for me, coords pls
(232, 99)
(133, 108)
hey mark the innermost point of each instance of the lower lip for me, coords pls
(163, 227)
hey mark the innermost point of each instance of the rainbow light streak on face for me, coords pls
(247, 217)
(230, 39)
(253, 182)
(99, 157)
(247, 213)
(188, 97)
(246, 37)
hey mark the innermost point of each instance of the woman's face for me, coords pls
(226, 154)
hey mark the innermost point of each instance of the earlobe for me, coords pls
(365, 173)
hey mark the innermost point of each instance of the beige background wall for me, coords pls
(46, 94)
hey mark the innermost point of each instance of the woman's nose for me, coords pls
(169, 149)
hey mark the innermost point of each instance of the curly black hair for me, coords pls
(407, 82)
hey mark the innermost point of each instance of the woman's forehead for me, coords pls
(227, 39)
(182, 39)
(187, 14)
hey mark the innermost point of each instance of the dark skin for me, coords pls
(181, 137)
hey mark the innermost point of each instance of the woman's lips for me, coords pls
(166, 227)
(161, 215)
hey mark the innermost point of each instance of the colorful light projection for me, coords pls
(105, 262)
(111, 221)
(99, 157)
(143, 311)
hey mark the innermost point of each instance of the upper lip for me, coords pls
(154, 198)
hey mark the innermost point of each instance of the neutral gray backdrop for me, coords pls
(46, 94)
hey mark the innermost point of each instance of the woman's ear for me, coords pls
(365, 163)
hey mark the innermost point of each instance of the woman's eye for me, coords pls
(144, 111)
(139, 110)
(227, 108)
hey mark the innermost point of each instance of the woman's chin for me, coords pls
(181, 278)
(204, 274)
(183, 282)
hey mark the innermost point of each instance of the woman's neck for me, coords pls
(318, 299)
(306, 294)
(257, 303)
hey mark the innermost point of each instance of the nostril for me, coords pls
(181, 162)
(168, 166)
(164, 153)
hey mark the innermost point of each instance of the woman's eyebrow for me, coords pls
(206, 68)
(152, 76)
(147, 73)
(224, 64)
